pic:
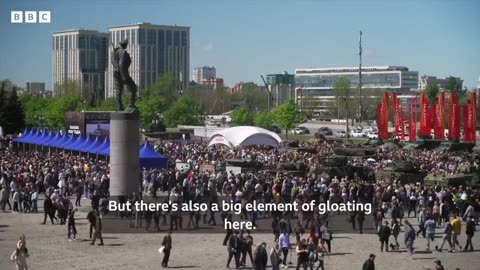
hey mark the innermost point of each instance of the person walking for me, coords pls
(48, 210)
(322, 250)
(369, 264)
(71, 229)
(20, 255)
(34, 199)
(276, 256)
(384, 236)
(360, 219)
(285, 245)
(233, 249)
(409, 237)
(396, 232)
(447, 237)
(260, 257)
(430, 226)
(91, 220)
(98, 229)
(167, 247)
(457, 229)
(470, 231)
(302, 255)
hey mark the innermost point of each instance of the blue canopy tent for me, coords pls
(80, 139)
(49, 135)
(105, 151)
(25, 134)
(40, 137)
(58, 142)
(57, 138)
(33, 135)
(92, 146)
(71, 140)
(150, 159)
(104, 144)
(82, 145)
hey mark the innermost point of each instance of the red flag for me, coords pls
(468, 122)
(382, 118)
(411, 122)
(413, 132)
(402, 122)
(453, 118)
(430, 119)
(395, 115)
(439, 122)
(424, 115)
(474, 114)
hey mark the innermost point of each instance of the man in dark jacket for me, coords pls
(48, 209)
(233, 249)
(384, 235)
(92, 220)
(470, 231)
(370, 263)
(167, 243)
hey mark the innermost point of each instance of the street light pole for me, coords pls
(360, 79)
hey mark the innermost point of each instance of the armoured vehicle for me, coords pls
(403, 171)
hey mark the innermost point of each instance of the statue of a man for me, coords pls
(121, 63)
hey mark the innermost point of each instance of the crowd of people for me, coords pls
(59, 178)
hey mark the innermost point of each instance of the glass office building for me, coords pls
(155, 50)
(81, 56)
(317, 83)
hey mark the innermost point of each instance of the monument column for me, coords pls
(124, 151)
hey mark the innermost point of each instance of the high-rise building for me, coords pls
(204, 73)
(441, 83)
(281, 86)
(80, 56)
(155, 50)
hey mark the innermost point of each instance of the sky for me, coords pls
(248, 38)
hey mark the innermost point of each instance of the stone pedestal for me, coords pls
(124, 147)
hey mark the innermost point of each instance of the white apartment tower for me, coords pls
(81, 56)
(204, 73)
(155, 50)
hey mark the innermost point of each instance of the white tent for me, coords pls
(244, 136)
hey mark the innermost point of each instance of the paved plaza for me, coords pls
(49, 248)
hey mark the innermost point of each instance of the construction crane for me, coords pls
(271, 98)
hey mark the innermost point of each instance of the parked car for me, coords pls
(340, 134)
(367, 130)
(297, 131)
(274, 129)
(372, 135)
(325, 131)
(305, 130)
(357, 133)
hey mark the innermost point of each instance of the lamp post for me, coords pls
(346, 108)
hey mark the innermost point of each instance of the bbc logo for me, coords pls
(30, 17)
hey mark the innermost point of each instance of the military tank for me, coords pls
(405, 172)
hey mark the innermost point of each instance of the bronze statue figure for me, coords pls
(121, 63)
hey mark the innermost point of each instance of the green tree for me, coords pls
(264, 119)
(286, 116)
(56, 108)
(456, 87)
(33, 106)
(3, 104)
(185, 111)
(150, 109)
(166, 86)
(431, 93)
(242, 117)
(68, 88)
(342, 91)
(14, 116)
